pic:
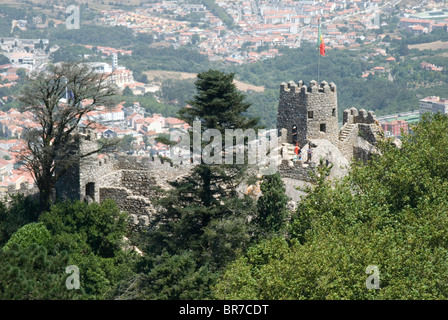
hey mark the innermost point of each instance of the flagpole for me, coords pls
(318, 52)
(318, 66)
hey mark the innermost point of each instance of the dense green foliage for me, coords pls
(70, 53)
(71, 233)
(151, 104)
(32, 274)
(93, 235)
(271, 206)
(220, 13)
(390, 212)
(116, 36)
(9, 13)
(180, 91)
(32, 233)
(21, 211)
(101, 226)
(4, 59)
(149, 58)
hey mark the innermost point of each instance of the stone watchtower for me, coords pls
(308, 112)
(86, 174)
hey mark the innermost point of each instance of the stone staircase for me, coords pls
(346, 131)
(288, 151)
(288, 155)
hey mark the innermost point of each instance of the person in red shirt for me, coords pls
(297, 152)
(297, 149)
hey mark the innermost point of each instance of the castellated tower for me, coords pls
(308, 112)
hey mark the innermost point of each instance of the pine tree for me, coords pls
(203, 214)
(218, 103)
(128, 91)
(32, 274)
(272, 212)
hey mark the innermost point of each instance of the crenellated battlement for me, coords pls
(354, 116)
(301, 88)
(308, 111)
(87, 134)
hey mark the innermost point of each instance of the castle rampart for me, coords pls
(357, 124)
(354, 116)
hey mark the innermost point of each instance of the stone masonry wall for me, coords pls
(312, 109)
(346, 145)
(140, 209)
(133, 185)
(359, 124)
(369, 132)
(296, 170)
(139, 182)
(354, 116)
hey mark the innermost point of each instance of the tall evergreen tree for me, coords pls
(209, 192)
(272, 212)
(203, 214)
(218, 104)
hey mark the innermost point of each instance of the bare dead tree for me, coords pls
(59, 99)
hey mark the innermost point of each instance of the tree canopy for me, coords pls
(390, 212)
(203, 223)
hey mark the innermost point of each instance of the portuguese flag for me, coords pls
(320, 42)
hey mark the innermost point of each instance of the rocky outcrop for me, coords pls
(363, 150)
(330, 155)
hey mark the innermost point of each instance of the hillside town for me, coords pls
(260, 27)
(265, 24)
(120, 122)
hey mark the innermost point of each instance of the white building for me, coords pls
(433, 105)
(107, 116)
(21, 58)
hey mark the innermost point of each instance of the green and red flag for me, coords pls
(320, 42)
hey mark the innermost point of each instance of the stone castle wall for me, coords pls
(312, 109)
(24, 189)
(369, 132)
(346, 144)
(358, 124)
(134, 184)
(131, 183)
(296, 170)
(140, 209)
(354, 116)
